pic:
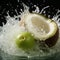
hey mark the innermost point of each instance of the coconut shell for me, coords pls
(53, 40)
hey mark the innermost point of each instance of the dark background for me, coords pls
(12, 5)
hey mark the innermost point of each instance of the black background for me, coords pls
(11, 5)
(14, 3)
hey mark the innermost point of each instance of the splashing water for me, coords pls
(12, 28)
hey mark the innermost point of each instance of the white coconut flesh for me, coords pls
(41, 27)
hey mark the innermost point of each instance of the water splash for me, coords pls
(57, 17)
(43, 9)
(12, 28)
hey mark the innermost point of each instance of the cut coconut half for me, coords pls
(41, 27)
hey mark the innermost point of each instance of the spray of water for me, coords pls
(12, 28)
